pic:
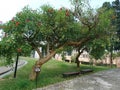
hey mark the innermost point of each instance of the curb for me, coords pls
(11, 69)
(5, 71)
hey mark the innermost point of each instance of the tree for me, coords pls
(42, 28)
(116, 20)
(113, 32)
(94, 24)
(97, 49)
(107, 41)
(54, 29)
(88, 20)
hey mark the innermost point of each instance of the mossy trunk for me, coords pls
(33, 74)
(39, 64)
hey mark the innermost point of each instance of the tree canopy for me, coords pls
(57, 28)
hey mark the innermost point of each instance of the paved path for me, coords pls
(5, 70)
(105, 80)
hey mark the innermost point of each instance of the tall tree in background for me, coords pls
(95, 25)
(116, 6)
(86, 17)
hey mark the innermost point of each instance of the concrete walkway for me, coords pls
(5, 70)
(105, 80)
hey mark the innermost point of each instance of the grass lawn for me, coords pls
(51, 72)
(2, 62)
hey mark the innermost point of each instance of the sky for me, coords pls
(8, 8)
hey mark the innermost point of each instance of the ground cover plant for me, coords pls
(50, 73)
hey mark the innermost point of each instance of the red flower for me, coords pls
(17, 23)
(12, 19)
(67, 12)
(27, 20)
(60, 9)
(19, 13)
(50, 10)
(19, 50)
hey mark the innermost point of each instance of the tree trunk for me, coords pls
(33, 74)
(42, 60)
(111, 56)
(39, 63)
(77, 57)
(77, 60)
(111, 60)
(48, 48)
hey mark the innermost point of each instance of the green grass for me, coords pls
(51, 73)
(2, 62)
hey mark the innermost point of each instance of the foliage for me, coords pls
(6, 50)
(98, 49)
(96, 26)
(31, 29)
(104, 29)
(116, 22)
(59, 26)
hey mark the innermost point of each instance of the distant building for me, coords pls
(83, 57)
(1, 34)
